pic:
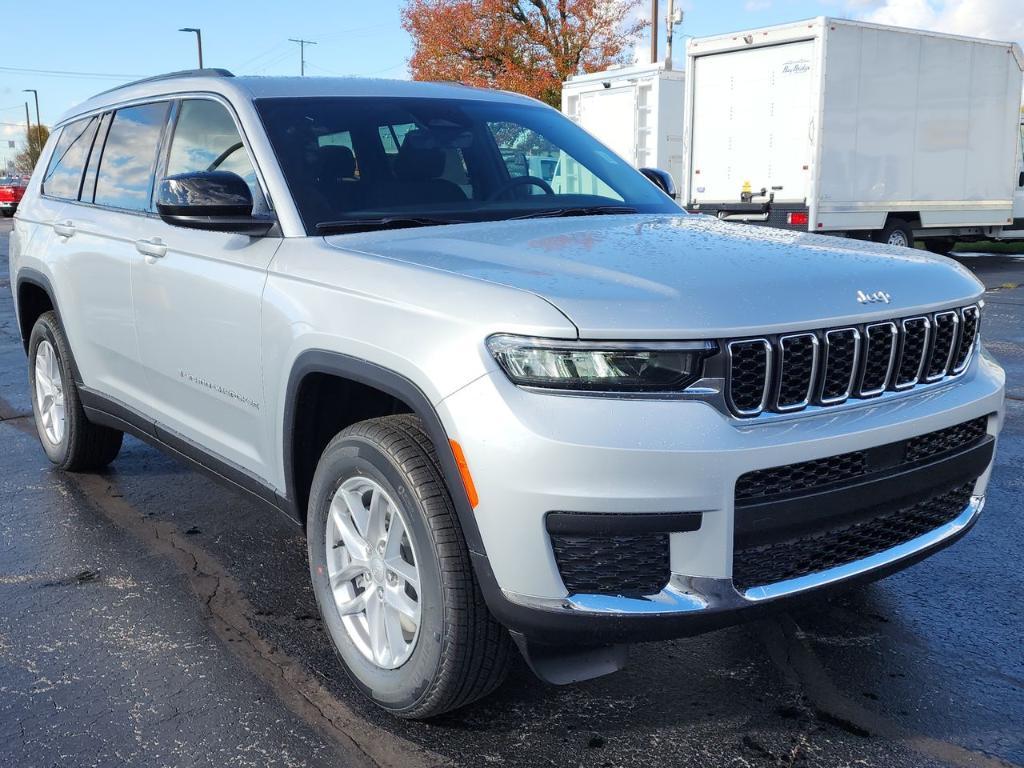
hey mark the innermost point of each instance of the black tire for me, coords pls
(84, 446)
(896, 229)
(8, 212)
(939, 245)
(461, 653)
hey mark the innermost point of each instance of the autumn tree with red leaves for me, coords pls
(527, 46)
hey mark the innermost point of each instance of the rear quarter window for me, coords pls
(63, 177)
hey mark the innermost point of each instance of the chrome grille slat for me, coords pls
(914, 336)
(944, 339)
(791, 372)
(839, 370)
(969, 317)
(744, 385)
(879, 350)
(796, 375)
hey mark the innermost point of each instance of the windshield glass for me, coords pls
(440, 161)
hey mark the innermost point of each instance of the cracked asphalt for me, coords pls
(149, 617)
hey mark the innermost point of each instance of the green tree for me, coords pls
(35, 140)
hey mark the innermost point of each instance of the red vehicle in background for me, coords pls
(12, 189)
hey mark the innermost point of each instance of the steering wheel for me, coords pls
(521, 181)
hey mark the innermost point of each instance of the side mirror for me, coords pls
(210, 200)
(662, 180)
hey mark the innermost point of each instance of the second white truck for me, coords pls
(836, 126)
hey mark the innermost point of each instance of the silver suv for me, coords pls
(514, 395)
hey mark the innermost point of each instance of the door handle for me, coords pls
(64, 228)
(154, 248)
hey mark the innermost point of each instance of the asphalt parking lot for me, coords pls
(149, 617)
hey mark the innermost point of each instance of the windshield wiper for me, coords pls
(379, 222)
(592, 210)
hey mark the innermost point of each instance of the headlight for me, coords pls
(597, 366)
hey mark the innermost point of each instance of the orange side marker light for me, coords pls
(467, 479)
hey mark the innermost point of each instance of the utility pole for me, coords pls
(672, 18)
(199, 41)
(39, 126)
(302, 53)
(654, 31)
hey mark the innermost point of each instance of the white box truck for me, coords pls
(839, 126)
(637, 112)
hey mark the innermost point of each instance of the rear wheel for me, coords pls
(70, 440)
(896, 232)
(392, 574)
(939, 245)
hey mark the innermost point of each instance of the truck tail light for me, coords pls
(797, 218)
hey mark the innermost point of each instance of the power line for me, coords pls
(67, 73)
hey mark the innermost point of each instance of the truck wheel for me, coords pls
(392, 574)
(70, 440)
(896, 232)
(939, 245)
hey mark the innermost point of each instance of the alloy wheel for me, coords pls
(373, 571)
(49, 391)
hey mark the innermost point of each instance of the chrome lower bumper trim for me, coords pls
(690, 594)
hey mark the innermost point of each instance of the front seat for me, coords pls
(418, 168)
(335, 175)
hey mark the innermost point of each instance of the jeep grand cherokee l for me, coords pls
(553, 413)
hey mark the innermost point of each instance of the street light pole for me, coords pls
(199, 41)
(302, 53)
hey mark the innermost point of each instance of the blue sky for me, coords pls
(355, 37)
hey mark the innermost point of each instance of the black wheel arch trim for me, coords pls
(30, 276)
(319, 361)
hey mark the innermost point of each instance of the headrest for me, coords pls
(336, 162)
(420, 158)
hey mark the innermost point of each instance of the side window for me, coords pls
(63, 176)
(89, 185)
(125, 178)
(206, 139)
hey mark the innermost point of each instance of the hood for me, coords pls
(681, 276)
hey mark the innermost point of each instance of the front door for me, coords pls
(197, 305)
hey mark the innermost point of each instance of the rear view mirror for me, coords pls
(662, 180)
(210, 200)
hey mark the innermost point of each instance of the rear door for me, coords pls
(753, 123)
(96, 236)
(197, 303)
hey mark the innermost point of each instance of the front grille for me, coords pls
(623, 565)
(775, 482)
(826, 367)
(772, 563)
(749, 375)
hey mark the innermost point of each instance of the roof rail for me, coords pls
(208, 72)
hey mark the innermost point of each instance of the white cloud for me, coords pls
(994, 19)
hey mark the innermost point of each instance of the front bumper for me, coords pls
(531, 454)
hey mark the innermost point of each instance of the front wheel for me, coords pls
(896, 232)
(70, 440)
(392, 575)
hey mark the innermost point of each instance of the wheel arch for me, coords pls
(34, 295)
(369, 377)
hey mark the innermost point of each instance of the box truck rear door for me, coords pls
(610, 116)
(753, 123)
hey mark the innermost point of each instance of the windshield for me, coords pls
(361, 162)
